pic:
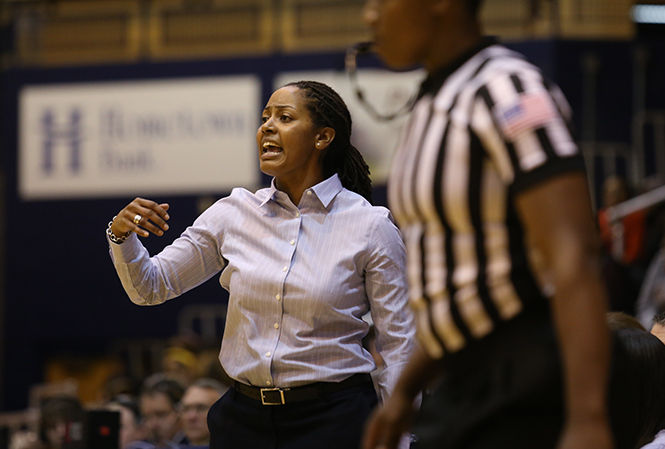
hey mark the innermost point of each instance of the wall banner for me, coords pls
(101, 139)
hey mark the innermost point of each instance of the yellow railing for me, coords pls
(87, 31)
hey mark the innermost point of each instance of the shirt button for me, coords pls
(309, 192)
(268, 354)
(297, 214)
(268, 382)
(284, 269)
(292, 242)
(278, 296)
(276, 325)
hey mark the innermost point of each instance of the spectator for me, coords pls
(131, 431)
(61, 421)
(194, 407)
(181, 359)
(159, 401)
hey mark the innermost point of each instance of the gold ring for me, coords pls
(137, 218)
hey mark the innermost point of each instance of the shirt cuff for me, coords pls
(126, 251)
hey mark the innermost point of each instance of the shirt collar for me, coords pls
(272, 190)
(435, 80)
(328, 189)
(325, 191)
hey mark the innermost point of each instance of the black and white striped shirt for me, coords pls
(485, 129)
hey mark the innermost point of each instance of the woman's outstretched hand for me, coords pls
(141, 216)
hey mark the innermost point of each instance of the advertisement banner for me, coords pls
(101, 139)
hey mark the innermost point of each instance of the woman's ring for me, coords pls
(137, 218)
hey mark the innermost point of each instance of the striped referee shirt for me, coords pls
(484, 129)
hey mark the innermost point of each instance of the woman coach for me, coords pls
(303, 260)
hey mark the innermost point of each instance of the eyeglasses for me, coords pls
(160, 415)
(198, 408)
(351, 66)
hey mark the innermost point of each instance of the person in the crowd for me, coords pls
(194, 407)
(303, 261)
(131, 434)
(488, 188)
(158, 402)
(181, 358)
(61, 422)
(637, 389)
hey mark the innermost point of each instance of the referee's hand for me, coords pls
(584, 434)
(389, 422)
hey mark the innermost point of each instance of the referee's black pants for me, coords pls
(334, 421)
(503, 392)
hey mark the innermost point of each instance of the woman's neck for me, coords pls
(295, 188)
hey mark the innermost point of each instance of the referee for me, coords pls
(489, 190)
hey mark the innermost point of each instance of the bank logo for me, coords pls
(61, 132)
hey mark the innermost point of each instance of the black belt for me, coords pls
(281, 396)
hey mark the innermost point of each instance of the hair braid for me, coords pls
(328, 109)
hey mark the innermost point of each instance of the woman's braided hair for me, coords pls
(327, 109)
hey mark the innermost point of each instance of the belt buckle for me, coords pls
(264, 401)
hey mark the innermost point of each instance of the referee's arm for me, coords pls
(557, 217)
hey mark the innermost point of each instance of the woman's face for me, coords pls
(401, 30)
(286, 138)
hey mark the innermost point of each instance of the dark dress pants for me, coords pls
(501, 392)
(335, 421)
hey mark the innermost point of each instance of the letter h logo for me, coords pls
(55, 134)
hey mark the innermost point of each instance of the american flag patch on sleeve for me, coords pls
(531, 111)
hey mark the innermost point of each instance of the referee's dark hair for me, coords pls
(329, 110)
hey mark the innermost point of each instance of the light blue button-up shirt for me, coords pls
(300, 280)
